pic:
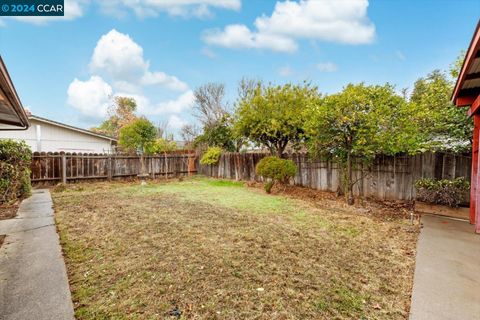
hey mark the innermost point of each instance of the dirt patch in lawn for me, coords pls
(8, 212)
(383, 210)
(204, 249)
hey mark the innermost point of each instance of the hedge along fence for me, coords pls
(57, 167)
(15, 160)
(388, 178)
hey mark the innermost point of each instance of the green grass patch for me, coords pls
(342, 301)
(226, 193)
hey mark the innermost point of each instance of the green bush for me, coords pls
(211, 156)
(160, 146)
(276, 170)
(444, 192)
(15, 160)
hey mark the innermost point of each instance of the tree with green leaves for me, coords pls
(218, 134)
(274, 116)
(137, 135)
(445, 126)
(121, 113)
(456, 66)
(357, 124)
(161, 145)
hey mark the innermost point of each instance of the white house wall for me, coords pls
(45, 137)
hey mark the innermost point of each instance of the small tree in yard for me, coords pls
(212, 112)
(274, 116)
(360, 122)
(218, 134)
(275, 169)
(209, 106)
(136, 136)
(121, 113)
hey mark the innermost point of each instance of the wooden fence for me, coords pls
(388, 178)
(66, 167)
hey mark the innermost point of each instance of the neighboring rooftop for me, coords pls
(63, 125)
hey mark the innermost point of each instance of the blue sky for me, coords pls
(158, 51)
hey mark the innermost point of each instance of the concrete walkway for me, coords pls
(33, 278)
(447, 273)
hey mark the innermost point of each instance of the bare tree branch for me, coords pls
(209, 106)
(246, 87)
(189, 132)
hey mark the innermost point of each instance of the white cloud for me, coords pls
(118, 55)
(238, 36)
(176, 123)
(161, 78)
(91, 97)
(400, 55)
(121, 58)
(174, 106)
(75, 9)
(343, 21)
(208, 53)
(180, 104)
(152, 8)
(327, 67)
(285, 71)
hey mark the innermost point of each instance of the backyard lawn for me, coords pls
(213, 249)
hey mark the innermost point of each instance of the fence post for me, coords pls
(166, 166)
(64, 168)
(152, 171)
(191, 164)
(109, 168)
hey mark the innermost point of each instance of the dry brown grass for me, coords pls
(218, 250)
(8, 211)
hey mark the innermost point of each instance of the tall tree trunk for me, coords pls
(349, 185)
(142, 164)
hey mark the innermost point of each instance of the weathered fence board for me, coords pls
(56, 167)
(388, 178)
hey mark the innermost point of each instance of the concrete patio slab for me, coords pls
(33, 277)
(446, 282)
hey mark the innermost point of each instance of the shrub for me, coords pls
(15, 160)
(160, 146)
(211, 156)
(444, 192)
(275, 169)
